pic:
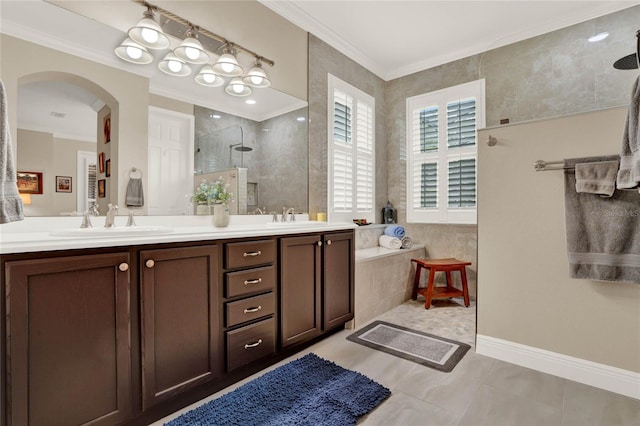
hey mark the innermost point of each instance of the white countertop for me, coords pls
(33, 233)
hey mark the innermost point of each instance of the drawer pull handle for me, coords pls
(252, 253)
(150, 263)
(253, 345)
(257, 281)
(123, 266)
(252, 310)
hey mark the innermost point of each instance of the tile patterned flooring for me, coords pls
(479, 391)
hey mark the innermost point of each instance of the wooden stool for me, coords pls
(440, 265)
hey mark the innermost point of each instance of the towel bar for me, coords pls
(543, 166)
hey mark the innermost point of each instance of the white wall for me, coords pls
(525, 295)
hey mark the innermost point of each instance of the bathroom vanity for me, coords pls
(127, 329)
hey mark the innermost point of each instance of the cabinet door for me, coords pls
(300, 281)
(181, 336)
(68, 340)
(338, 270)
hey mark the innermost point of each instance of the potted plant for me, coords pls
(220, 198)
(201, 197)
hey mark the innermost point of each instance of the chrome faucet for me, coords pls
(111, 215)
(257, 210)
(286, 212)
(93, 210)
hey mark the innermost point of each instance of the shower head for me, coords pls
(240, 147)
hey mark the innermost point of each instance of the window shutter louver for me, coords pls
(92, 191)
(461, 123)
(342, 181)
(342, 117)
(462, 183)
(427, 124)
(428, 185)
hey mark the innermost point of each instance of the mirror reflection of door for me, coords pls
(170, 165)
(56, 135)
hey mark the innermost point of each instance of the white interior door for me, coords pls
(170, 168)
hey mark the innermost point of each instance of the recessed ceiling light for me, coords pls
(598, 37)
(250, 101)
(301, 119)
(214, 115)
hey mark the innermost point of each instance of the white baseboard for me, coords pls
(602, 376)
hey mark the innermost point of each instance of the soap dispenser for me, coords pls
(388, 214)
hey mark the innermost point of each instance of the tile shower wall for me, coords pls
(277, 163)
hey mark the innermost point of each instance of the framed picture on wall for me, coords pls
(101, 162)
(63, 184)
(29, 182)
(102, 188)
(107, 168)
(107, 128)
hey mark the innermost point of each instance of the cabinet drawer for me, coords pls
(250, 343)
(250, 281)
(250, 253)
(250, 309)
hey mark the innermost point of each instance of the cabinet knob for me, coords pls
(328, 242)
(123, 266)
(149, 263)
(319, 243)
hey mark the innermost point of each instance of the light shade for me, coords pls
(207, 77)
(191, 50)
(237, 88)
(227, 65)
(133, 52)
(256, 76)
(148, 33)
(173, 65)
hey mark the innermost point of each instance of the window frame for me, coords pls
(358, 96)
(442, 213)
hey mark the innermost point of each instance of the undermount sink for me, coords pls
(294, 224)
(111, 232)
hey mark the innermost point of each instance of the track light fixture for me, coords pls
(148, 33)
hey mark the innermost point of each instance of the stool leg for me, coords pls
(465, 289)
(416, 282)
(449, 280)
(429, 292)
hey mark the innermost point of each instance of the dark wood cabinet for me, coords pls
(338, 268)
(250, 301)
(181, 332)
(300, 288)
(68, 340)
(316, 285)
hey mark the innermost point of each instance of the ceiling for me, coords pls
(394, 38)
(390, 38)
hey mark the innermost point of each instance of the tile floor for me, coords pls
(479, 391)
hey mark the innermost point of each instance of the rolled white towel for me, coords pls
(406, 242)
(390, 242)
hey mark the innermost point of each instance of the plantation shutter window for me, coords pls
(442, 154)
(351, 149)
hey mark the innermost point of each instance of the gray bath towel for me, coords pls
(597, 177)
(629, 174)
(10, 202)
(134, 196)
(603, 234)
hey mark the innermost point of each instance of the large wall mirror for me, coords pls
(61, 123)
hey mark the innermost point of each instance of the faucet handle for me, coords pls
(86, 221)
(130, 221)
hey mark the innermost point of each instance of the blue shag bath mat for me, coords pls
(307, 391)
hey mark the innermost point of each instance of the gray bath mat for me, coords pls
(424, 348)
